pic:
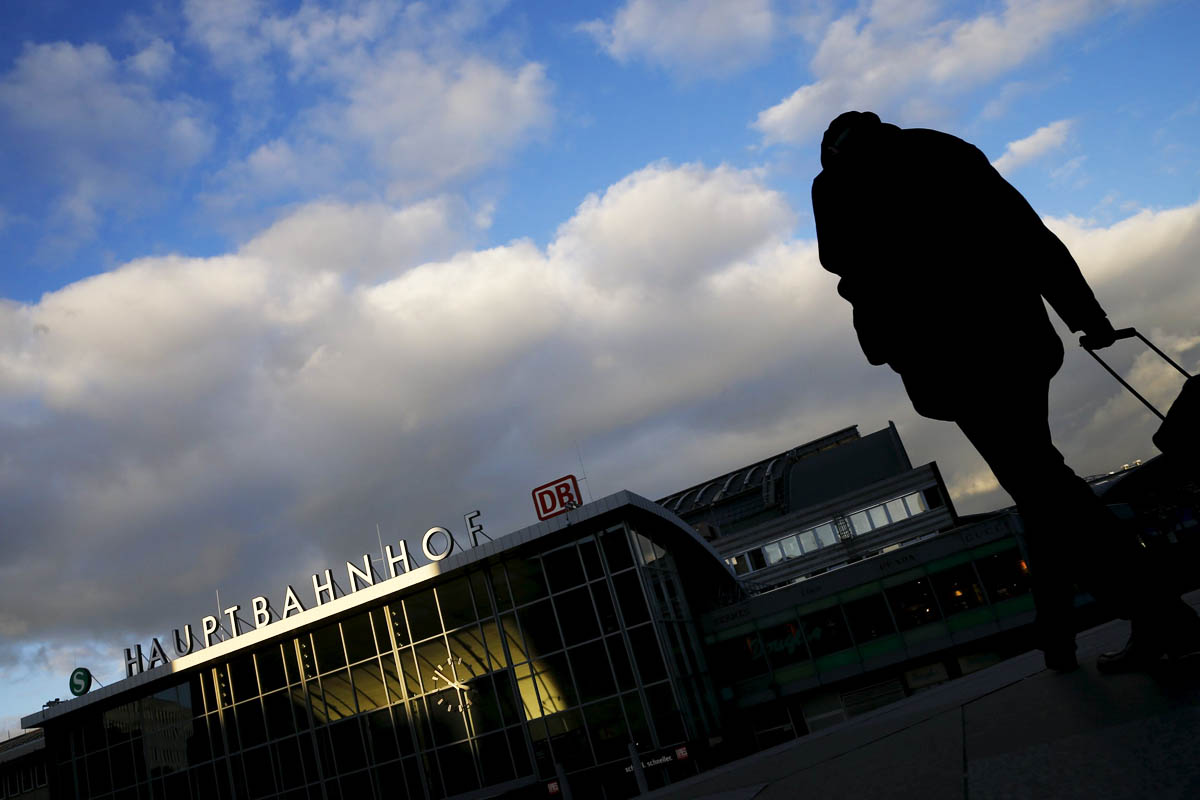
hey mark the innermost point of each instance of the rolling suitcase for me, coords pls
(1179, 434)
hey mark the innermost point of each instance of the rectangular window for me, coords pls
(791, 547)
(808, 540)
(739, 564)
(826, 534)
(860, 522)
(773, 553)
(756, 559)
(915, 503)
(895, 509)
(878, 516)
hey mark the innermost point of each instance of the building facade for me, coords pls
(523, 666)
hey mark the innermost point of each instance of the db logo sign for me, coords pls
(557, 497)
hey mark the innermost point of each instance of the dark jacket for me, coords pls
(946, 265)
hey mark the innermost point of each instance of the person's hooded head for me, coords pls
(852, 135)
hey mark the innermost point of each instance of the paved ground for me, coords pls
(1015, 730)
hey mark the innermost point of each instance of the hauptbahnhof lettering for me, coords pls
(622, 645)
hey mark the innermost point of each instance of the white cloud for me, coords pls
(107, 132)
(396, 103)
(153, 61)
(354, 365)
(427, 124)
(691, 37)
(884, 58)
(1037, 144)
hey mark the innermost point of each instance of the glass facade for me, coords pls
(554, 660)
(877, 619)
(799, 543)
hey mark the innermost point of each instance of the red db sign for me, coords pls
(557, 497)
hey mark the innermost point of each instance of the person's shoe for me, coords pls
(1141, 652)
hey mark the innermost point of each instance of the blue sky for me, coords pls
(275, 272)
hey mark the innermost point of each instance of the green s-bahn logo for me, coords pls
(81, 681)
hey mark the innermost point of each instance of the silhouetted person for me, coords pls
(946, 266)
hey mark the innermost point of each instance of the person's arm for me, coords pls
(1052, 267)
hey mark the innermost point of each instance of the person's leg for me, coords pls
(1072, 534)
(1013, 437)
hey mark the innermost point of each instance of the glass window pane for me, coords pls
(915, 503)
(422, 612)
(896, 510)
(1004, 574)
(636, 714)
(860, 523)
(526, 580)
(241, 675)
(500, 589)
(620, 661)
(610, 736)
(869, 618)
(327, 644)
(913, 604)
(494, 758)
(878, 516)
(368, 685)
(644, 645)
(458, 768)
(250, 724)
(826, 534)
(782, 644)
(359, 637)
(454, 599)
(447, 715)
(577, 616)
(469, 651)
(740, 565)
(756, 559)
(593, 675)
(483, 602)
(958, 589)
(512, 638)
(791, 547)
(278, 709)
(270, 669)
(629, 595)
(563, 568)
(808, 540)
(616, 549)
(339, 694)
(348, 749)
(431, 655)
(591, 559)
(665, 712)
(569, 740)
(540, 629)
(825, 631)
(773, 553)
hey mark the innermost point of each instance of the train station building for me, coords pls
(616, 647)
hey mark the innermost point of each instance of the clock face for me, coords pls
(447, 677)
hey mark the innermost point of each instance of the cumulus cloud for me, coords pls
(1037, 144)
(897, 58)
(691, 38)
(400, 104)
(353, 365)
(109, 133)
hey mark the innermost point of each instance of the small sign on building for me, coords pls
(557, 497)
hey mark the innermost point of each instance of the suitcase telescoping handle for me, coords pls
(1129, 333)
